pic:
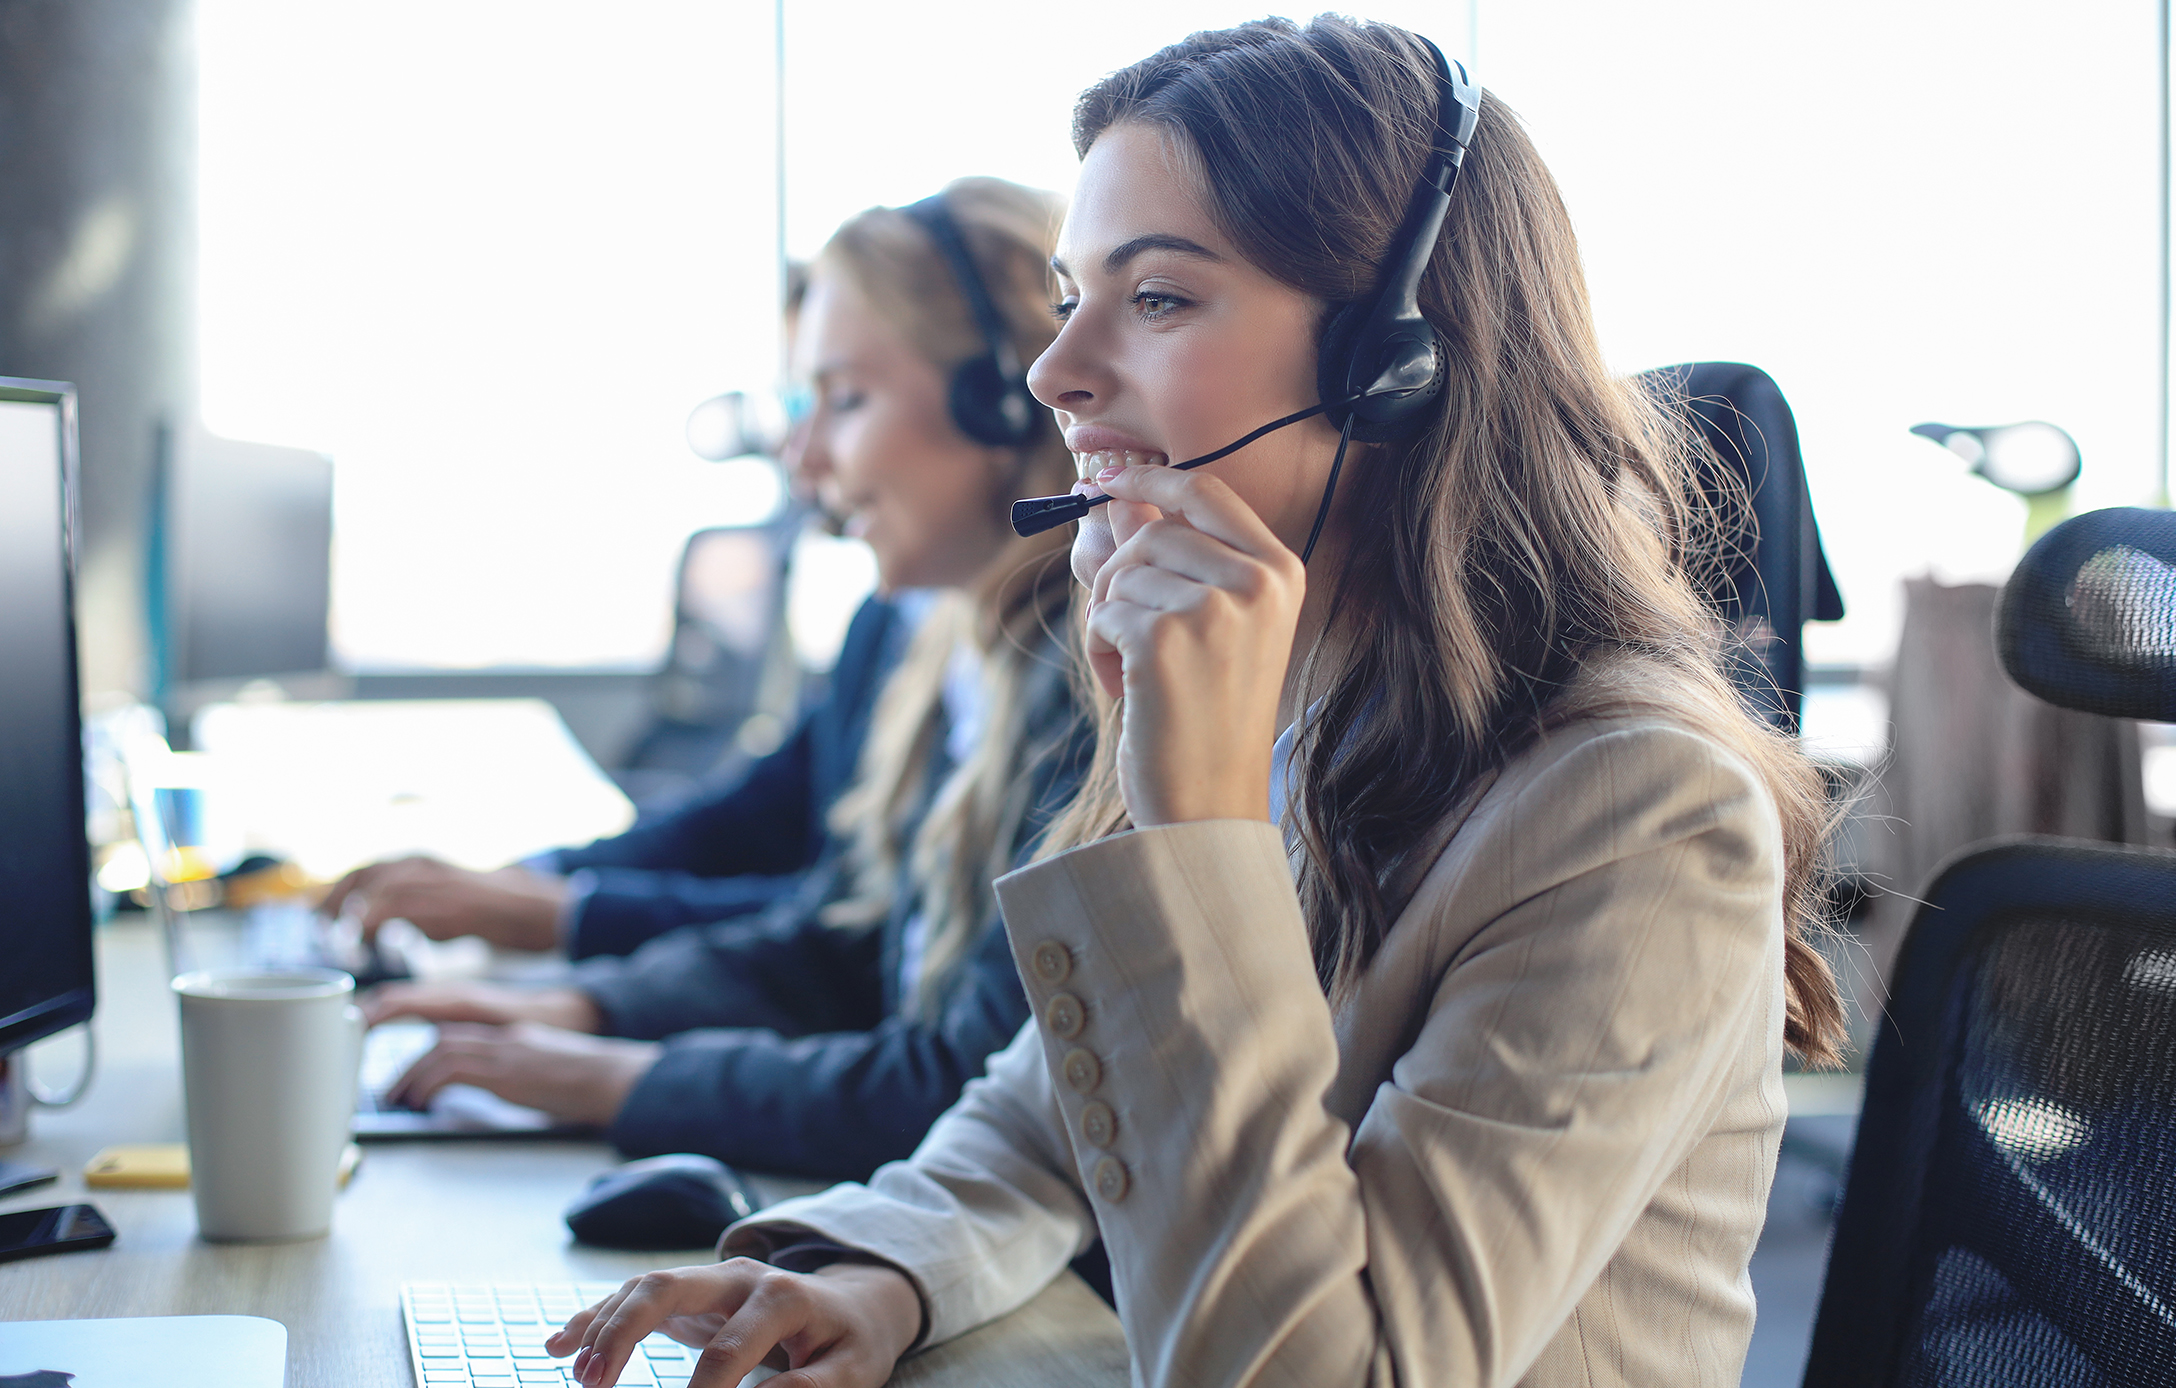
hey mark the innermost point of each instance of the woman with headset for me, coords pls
(824, 1035)
(1413, 977)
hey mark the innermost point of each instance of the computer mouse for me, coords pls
(677, 1201)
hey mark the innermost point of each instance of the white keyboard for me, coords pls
(492, 1336)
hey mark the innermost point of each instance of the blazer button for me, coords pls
(1051, 961)
(1111, 1180)
(1098, 1124)
(1083, 1072)
(1065, 1016)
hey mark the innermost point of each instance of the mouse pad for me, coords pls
(172, 1351)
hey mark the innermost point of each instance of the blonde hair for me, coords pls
(1013, 614)
(1537, 555)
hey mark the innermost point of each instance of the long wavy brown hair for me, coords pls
(1539, 554)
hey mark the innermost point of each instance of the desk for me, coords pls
(436, 1211)
(478, 782)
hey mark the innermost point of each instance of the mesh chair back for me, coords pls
(1779, 579)
(2010, 1216)
(728, 617)
(2088, 620)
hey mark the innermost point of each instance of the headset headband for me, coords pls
(1382, 363)
(1014, 420)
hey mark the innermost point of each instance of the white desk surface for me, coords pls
(478, 782)
(425, 1211)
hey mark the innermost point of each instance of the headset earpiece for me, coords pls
(988, 408)
(988, 397)
(1397, 378)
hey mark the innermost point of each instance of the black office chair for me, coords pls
(1779, 580)
(2010, 1216)
(728, 662)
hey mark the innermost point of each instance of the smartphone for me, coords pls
(15, 1176)
(57, 1229)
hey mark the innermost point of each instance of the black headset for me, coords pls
(989, 396)
(1381, 363)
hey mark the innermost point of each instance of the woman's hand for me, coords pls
(583, 1079)
(513, 907)
(1192, 620)
(494, 1004)
(844, 1326)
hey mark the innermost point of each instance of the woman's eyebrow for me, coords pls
(1153, 241)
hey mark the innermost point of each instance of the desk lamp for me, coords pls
(2035, 460)
(737, 424)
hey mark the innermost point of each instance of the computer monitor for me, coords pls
(249, 560)
(45, 858)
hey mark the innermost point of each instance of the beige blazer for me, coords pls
(1535, 1147)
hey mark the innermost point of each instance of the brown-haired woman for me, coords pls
(1491, 1092)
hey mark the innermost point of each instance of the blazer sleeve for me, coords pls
(759, 823)
(1573, 1048)
(985, 1214)
(615, 911)
(835, 1104)
(738, 847)
(784, 971)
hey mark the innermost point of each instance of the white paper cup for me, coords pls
(269, 1061)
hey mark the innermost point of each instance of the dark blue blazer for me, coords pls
(787, 1047)
(742, 846)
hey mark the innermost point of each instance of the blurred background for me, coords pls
(486, 255)
(388, 320)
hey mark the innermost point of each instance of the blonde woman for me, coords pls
(823, 1036)
(1413, 981)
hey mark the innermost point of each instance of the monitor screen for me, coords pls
(45, 867)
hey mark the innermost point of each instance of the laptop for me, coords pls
(171, 1351)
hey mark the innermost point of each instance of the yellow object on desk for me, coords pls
(165, 1166)
(142, 1166)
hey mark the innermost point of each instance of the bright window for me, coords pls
(488, 253)
(1903, 210)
